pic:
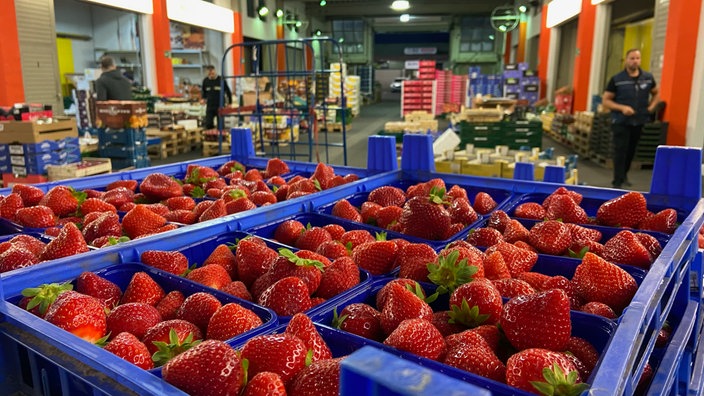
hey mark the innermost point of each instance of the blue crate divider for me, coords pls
(381, 153)
(417, 153)
(696, 290)
(370, 371)
(127, 136)
(696, 384)
(122, 163)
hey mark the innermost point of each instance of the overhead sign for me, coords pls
(201, 13)
(411, 65)
(141, 6)
(420, 50)
(562, 10)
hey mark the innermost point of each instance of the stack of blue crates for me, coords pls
(37, 357)
(125, 147)
(520, 82)
(33, 158)
(484, 84)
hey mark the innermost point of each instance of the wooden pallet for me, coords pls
(192, 139)
(172, 143)
(335, 127)
(211, 148)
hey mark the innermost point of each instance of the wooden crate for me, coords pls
(172, 143)
(34, 132)
(211, 148)
(87, 167)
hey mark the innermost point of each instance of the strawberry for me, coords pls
(158, 187)
(31, 195)
(37, 300)
(338, 180)
(128, 184)
(237, 289)
(539, 320)
(283, 354)
(461, 211)
(10, 205)
(90, 193)
(664, 221)
(231, 320)
(286, 297)
(585, 352)
(180, 203)
(211, 275)
(181, 216)
(444, 323)
(360, 319)
(534, 279)
(158, 208)
(302, 327)
(576, 197)
(550, 237)
(626, 248)
(169, 305)
(118, 197)
(517, 260)
(343, 208)
(425, 217)
(583, 233)
(96, 205)
(562, 207)
(474, 303)
(288, 232)
(134, 318)
(511, 287)
(495, 267)
(664, 335)
(304, 186)
(485, 237)
(126, 207)
(35, 217)
(599, 280)
(530, 210)
(423, 189)
(626, 210)
(417, 336)
(335, 230)
(142, 288)
(253, 259)
(16, 257)
(231, 166)
(413, 260)
(70, 241)
(28, 242)
(311, 238)
(644, 380)
(141, 221)
(222, 255)
(515, 231)
(169, 338)
(290, 264)
(538, 370)
(321, 378)
(488, 333)
(476, 357)
(262, 198)
(265, 383)
(560, 282)
(340, 276)
(62, 200)
(388, 216)
(214, 211)
(580, 247)
(276, 167)
(198, 308)
(354, 238)
(456, 192)
(650, 243)
(498, 219)
(323, 174)
(377, 257)
(369, 212)
(484, 203)
(454, 267)
(169, 261)
(79, 314)
(598, 308)
(104, 290)
(106, 224)
(383, 294)
(212, 367)
(130, 348)
(333, 250)
(387, 196)
(402, 304)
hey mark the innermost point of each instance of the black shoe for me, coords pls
(616, 185)
(626, 183)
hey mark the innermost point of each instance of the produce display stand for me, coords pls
(37, 356)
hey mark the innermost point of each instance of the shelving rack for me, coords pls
(288, 120)
(130, 60)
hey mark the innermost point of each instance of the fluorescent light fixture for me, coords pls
(263, 11)
(141, 6)
(405, 18)
(595, 2)
(502, 28)
(400, 5)
(341, 40)
(201, 13)
(299, 24)
(491, 37)
(562, 10)
(279, 13)
(522, 8)
(323, 3)
(318, 32)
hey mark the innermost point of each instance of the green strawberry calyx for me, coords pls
(437, 196)
(579, 254)
(198, 192)
(299, 261)
(237, 194)
(336, 319)
(450, 274)
(245, 372)
(467, 316)
(166, 351)
(381, 236)
(45, 295)
(558, 384)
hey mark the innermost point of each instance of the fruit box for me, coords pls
(35, 132)
(120, 114)
(87, 167)
(594, 329)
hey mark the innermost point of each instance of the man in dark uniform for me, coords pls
(631, 95)
(112, 85)
(211, 95)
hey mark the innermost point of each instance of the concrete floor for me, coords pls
(372, 118)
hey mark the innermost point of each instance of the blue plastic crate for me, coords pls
(122, 163)
(127, 136)
(43, 146)
(696, 384)
(123, 151)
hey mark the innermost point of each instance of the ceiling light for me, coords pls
(405, 18)
(262, 11)
(522, 8)
(502, 28)
(279, 13)
(318, 32)
(298, 24)
(491, 37)
(323, 3)
(400, 5)
(341, 39)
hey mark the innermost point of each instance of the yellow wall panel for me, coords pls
(64, 48)
(639, 35)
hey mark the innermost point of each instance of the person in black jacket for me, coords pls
(211, 95)
(631, 95)
(112, 85)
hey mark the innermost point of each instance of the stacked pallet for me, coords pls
(600, 143)
(578, 133)
(126, 148)
(654, 134)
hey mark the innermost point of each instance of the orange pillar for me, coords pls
(281, 48)
(237, 53)
(543, 51)
(162, 48)
(522, 33)
(678, 66)
(11, 86)
(582, 63)
(507, 49)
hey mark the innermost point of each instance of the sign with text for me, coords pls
(420, 50)
(411, 65)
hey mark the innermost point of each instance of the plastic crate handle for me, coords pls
(677, 171)
(381, 153)
(241, 147)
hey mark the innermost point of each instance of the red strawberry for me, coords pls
(194, 370)
(104, 290)
(262, 198)
(237, 289)
(265, 383)
(169, 261)
(186, 334)
(540, 320)
(599, 280)
(211, 275)
(383, 294)
(377, 257)
(283, 354)
(288, 232)
(282, 193)
(312, 238)
(70, 241)
(323, 174)
(562, 207)
(222, 255)
(457, 192)
(198, 308)
(535, 279)
(476, 357)
(517, 260)
(444, 323)
(340, 276)
(343, 208)
(35, 217)
(581, 233)
(525, 371)
(576, 197)
(96, 205)
(664, 221)
(321, 378)
(650, 243)
(498, 219)
(302, 327)
(495, 267)
(118, 197)
(333, 250)
(402, 304)
(30, 194)
(169, 305)
(276, 167)
(142, 288)
(626, 210)
(560, 282)
(511, 287)
(580, 247)
(253, 259)
(130, 348)
(10, 205)
(62, 200)
(387, 196)
(626, 248)
(286, 297)
(181, 216)
(128, 184)
(360, 319)
(141, 221)
(479, 293)
(231, 320)
(462, 212)
(107, 224)
(484, 203)
(158, 208)
(305, 186)
(485, 237)
(214, 211)
(515, 231)
(585, 352)
(550, 237)
(336, 231)
(28, 242)
(230, 166)
(79, 314)
(425, 217)
(413, 260)
(597, 308)
(180, 203)
(158, 187)
(338, 180)
(134, 318)
(306, 269)
(254, 174)
(489, 333)
(423, 189)
(16, 257)
(417, 336)
(369, 212)
(388, 216)
(530, 210)
(354, 238)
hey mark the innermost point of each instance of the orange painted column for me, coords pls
(582, 63)
(237, 53)
(281, 48)
(507, 48)
(543, 51)
(11, 86)
(522, 33)
(162, 48)
(678, 66)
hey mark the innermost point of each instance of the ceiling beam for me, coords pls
(379, 8)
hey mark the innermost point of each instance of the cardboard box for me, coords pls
(88, 167)
(35, 132)
(120, 114)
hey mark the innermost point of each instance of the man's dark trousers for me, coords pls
(625, 140)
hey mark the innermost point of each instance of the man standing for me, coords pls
(112, 85)
(631, 95)
(211, 95)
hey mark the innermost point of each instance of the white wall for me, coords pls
(695, 119)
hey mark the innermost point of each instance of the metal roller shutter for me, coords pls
(662, 8)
